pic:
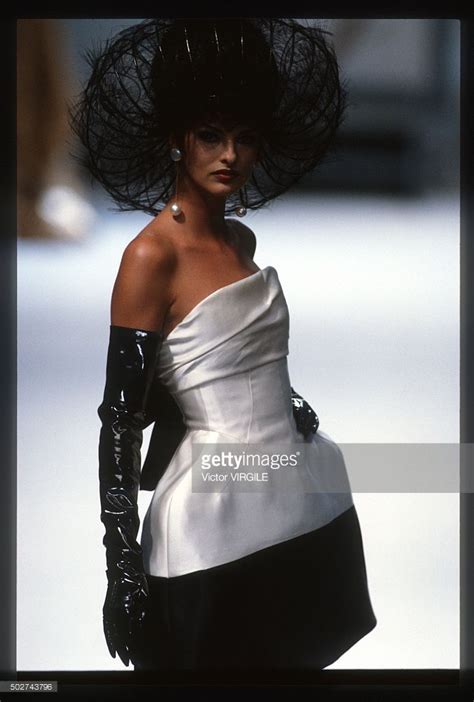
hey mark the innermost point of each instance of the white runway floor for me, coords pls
(373, 291)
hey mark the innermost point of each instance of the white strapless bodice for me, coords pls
(226, 366)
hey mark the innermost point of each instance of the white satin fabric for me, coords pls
(226, 366)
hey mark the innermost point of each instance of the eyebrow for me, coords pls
(218, 129)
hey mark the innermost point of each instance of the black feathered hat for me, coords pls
(160, 76)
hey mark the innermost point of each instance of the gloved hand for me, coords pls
(131, 363)
(307, 421)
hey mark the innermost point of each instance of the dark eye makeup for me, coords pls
(211, 135)
(208, 135)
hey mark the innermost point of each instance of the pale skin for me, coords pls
(174, 263)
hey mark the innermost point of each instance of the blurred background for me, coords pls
(367, 251)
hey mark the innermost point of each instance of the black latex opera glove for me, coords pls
(131, 363)
(307, 421)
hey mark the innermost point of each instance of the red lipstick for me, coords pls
(225, 174)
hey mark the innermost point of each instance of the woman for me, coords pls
(191, 120)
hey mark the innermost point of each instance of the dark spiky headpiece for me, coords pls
(159, 77)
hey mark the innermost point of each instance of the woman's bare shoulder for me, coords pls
(141, 294)
(247, 238)
(153, 246)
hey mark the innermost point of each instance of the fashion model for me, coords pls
(195, 121)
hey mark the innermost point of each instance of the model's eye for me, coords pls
(248, 139)
(208, 136)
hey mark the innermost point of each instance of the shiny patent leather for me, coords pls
(131, 363)
(307, 421)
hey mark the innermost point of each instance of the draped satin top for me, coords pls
(225, 365)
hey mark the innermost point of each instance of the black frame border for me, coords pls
(330, 684)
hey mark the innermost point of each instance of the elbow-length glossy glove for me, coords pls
(307, 421)
(131, 363)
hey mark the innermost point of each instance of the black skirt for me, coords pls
(297, 605)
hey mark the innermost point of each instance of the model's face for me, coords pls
(219, 158)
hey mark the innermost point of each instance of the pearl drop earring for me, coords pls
(175, 207)
(241, 210)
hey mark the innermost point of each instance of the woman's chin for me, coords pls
(224, 189)
(219, 191)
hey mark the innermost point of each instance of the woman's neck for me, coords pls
(202, 214)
